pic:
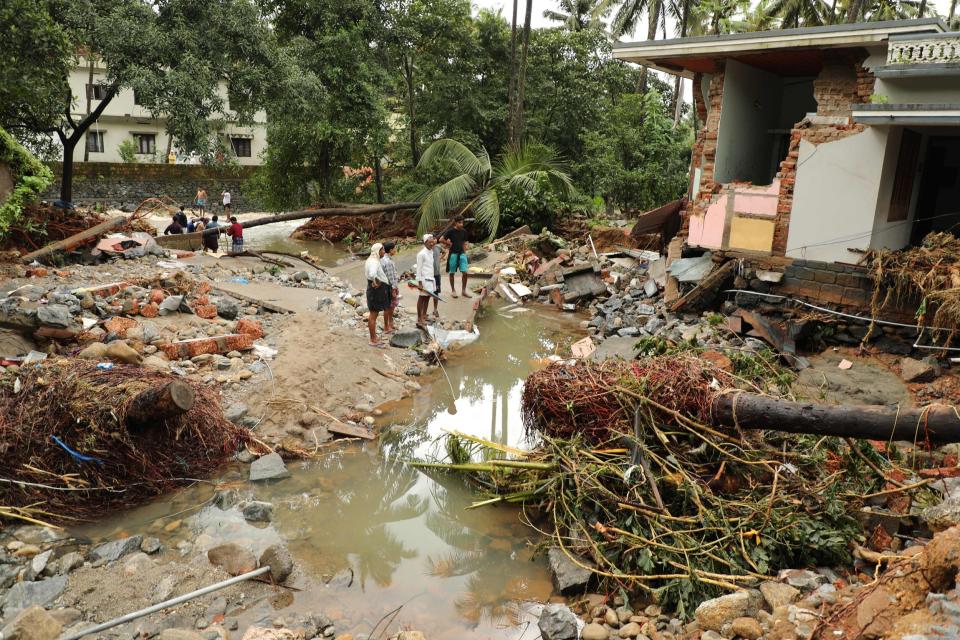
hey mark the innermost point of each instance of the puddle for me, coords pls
(371, 534)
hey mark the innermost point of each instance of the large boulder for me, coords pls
(33, 623)
(268, 467)
(557, 622)
(713, 614)
(233, 558)
(110, 551)
(568, 577)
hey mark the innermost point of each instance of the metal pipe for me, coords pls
(168, 603)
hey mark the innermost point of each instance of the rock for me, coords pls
(624, 613)
(594, 631)
(155, 362)
(150, 545)
(236, 412)
(710, 634)
(268, 467)
(67, 563)
(917, 370)
(628, 332)
(411, 635)
(179, 634)
(713, 614)
(217, 608)
(136, 563)
(747, 628)
(245, 456)
(33, 623)
(405, 339)
(38, 563)
(222, 363)
(257, 511)
(611, 618)
(557, 622)
(778, 594)
(54, 315)
(629, 630)
(801, 579)
(568, 577)
(233, 558)
(65, 617)
(280, 562)
(942, 516)
(300, 276)
(93, 351)
(263, 633)
(8, 574)
(227, 308)
(23, 595)
(123, 353)
(110, 551)
(26, 551)
(164, 589)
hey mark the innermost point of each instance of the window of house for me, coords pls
(96, 91)
(95, 141)
(146, 143)
(241, 147)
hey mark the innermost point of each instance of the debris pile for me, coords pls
(357, 228)
(79, 438)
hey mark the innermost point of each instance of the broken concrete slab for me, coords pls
(616, 347)
(692, 269)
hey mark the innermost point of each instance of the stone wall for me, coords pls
(127, 185)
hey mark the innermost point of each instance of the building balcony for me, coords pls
(920, 55)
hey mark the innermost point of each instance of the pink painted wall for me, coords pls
(707, 230)
(759, 201)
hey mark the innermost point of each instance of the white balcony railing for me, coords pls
(941, 49)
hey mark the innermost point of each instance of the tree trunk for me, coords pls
(160, 403)
(678, 87)
(922, 9)
(953, 11)
(522, 77)
(653, 11)
(66, 174)
(76, 239)
(511, 95)
(329, 212)
(378, 177)
(411, 110)
(70, 142)
(939, 423)
(169, 147)
(86, 149)
(833, 12)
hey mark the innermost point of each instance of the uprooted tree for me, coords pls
(182, 56)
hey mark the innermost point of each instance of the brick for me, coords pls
(825, 276)
(199, 346)
(801, 289)
(102, 291)
(37, 272)
(204, 288)
(150, 310)
(856, 297)
(831, 293)
(251, 328)
(802, 273)
(203, 299)
(205, 311)
(157, 296)
(848, 280)
(119, 325)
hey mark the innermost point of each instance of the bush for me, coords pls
(539, 208)
(128, 151)
(30, 178)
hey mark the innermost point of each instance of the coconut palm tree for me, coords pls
(799, 13)
(478, 182)
(576, 15)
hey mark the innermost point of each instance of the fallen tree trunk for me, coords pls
(330, 212)
(938, 423)
(78, 238)
(159, 403)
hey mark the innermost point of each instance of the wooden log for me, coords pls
(939, 423)
(159, 403)
(76, 239)
(329, 212)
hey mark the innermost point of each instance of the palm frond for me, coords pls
(487, 209)
(456, 153)
(442, 199)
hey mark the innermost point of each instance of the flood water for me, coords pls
(371, 534)
(276, 237)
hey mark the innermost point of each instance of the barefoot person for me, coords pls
(390, 250)
(235, 231)
(424, 276)
(378, 291)
(455, 239)
(437, 262)
(201, 199)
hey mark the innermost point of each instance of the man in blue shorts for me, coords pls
(455, 240)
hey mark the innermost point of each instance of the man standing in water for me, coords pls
(424, 276)
(455, 240)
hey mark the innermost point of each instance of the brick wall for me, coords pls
(836, 88)
(828, 282)
(126, 185)
(705, 147)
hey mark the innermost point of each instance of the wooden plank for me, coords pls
(350, 430)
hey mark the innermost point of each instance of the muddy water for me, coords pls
(371, 534)
(276, 237)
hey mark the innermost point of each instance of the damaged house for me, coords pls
(816, 144)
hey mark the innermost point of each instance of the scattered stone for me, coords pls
(611, 618)
(93, 351)
(624, 613)
(164, 589)
(8, 574)
(236, 412)
(411, 635)
(594, 631)
(227, 308)
(568, 577)
(257, 511)
(942, 516)
(123, 353)
(778, 594)
(25, 551)
(263, 633)
(179, 634)
(747, 628)
(38, 563)
(801, 579)
(629, 630)
(268, 467)
(713, 614)
(406, 339)
(278, 558)
(136, 563)
(33, 623)
(67, 563)
(150, 545)
(24, 595)
(233, 558)
(65, 617)
(110, 551)
(917, 370)
(54, 315)
(557, 622)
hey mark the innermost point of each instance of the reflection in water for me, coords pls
(371, 534)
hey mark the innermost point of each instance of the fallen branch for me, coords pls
(76, 239)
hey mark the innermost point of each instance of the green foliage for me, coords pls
(30, 178)
(128, 151)
(762, 368)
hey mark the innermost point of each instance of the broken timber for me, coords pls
(159, 403)
(329, 212)
(76, 239)
(707, 288)
(936, 423)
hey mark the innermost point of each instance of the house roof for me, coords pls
(795, 50)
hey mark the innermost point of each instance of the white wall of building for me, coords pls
(837, 195)
(123, 118)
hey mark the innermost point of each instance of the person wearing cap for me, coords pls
(424, 276)
(378, 291)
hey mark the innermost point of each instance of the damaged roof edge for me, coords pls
(857, 34)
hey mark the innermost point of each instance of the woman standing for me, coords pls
(390, 250)
(378, 292)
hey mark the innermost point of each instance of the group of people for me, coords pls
(383, 283)
(179, 223)
(200, 201)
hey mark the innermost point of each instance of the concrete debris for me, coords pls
(692, 269)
